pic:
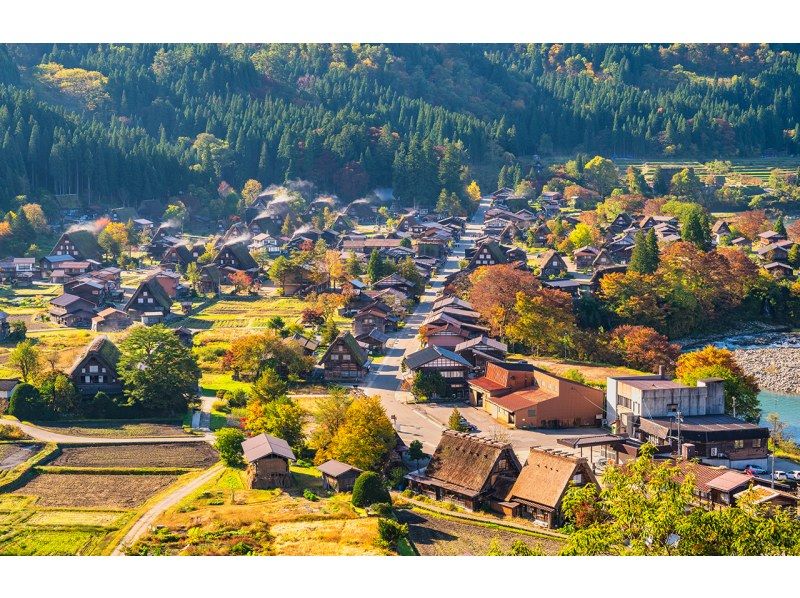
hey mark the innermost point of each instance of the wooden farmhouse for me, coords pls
(236, 256)
(451, 366)
(338, 476)
(148, 298)
(552, 264)
(95, 370)
(110, 320)
(467, 470)
(80, 244)
(267, 460)
(345, 359)
(538, 491)
(71, 310)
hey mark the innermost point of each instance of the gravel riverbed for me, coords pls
(776, 368)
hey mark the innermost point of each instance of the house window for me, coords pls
(577, 478)
(345, 358)
(140, 300)
(532, 412)
(738, 444)
(149, 299)
(756, 443)
(672, 407)
(93, 369)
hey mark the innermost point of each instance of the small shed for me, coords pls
(268, 462)
(338, 476)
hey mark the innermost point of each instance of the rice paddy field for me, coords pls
(57, 509)
(757, 168)
(225, 517)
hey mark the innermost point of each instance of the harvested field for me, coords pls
(438, 536)
(91, 490)
(86, 518)
(115, 429)
(340, 537)
(165, 454)
(8, 449)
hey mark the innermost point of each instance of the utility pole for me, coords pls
(678, 420)
(734, 406)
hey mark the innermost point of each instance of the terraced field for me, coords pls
(758, 168)
(194, 455)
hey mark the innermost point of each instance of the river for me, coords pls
(787, 406)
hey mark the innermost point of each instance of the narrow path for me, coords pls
(38, 433)
(148, 518)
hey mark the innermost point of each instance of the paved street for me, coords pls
(426, 422)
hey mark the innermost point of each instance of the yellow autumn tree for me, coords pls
(366, 437)
(474, 191)
(251, 190)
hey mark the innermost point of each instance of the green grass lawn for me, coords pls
(211, 382)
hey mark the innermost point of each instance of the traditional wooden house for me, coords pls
(551, 264)
(166, 236)
(89, 288)
(185, 335)
(469, 471)
(110, 320)
(7, 386)
(620, 223)
(210, 279)
(720, 230)
(539, 489)
(602, 260)
(309, 345)
(95, 370)
(81, 245)
(769, 237)
(267, 460)
(584, 257)
(779, 270)
(338, 476)
(395, 281)
(450, 366)
(235, 256)
(481, 350)
(70, 310)
(345, 359)
(180, 255)
(149, 297)
(373, 341)
(368, 319)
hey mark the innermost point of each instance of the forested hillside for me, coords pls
(118, 124)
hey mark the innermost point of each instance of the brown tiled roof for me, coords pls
(264, 445)
(336, 468)
(545, 478)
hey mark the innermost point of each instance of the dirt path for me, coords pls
(38, 433)
(21, 455)
(148, 518)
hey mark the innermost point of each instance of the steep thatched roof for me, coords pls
(465, 462)
(104, 348)
(86, 243)
(546, 476)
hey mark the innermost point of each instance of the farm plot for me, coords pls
(116, 428)
(58, 517)
(225, 517)
(439, 536)
(115, 491)
(51, 542)
(192, 455)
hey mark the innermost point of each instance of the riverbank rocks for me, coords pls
(777, 369)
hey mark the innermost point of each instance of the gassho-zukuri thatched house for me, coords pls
(267, 460)
(467, 470)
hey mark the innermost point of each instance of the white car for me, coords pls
(779, 476)
(794, 475)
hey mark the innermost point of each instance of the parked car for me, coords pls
(467, 425)
(794, 474)
(778, 475)
(754, 469)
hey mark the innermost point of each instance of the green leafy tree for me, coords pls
(642, 258)
(454, 421)
(415, 452)
(269, 386)
(229, 444)
(281, 417)
(601, 175)
(26, 403)
(159, 373)
(427, 385)
(369, 490)
(696, 230)
(779, 226)
(25, 358)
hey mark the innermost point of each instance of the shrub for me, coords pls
(8, 432)
(26, 403)
(237, 398)
(391, 531)
(220, 394)
(369, 489)
(384, 509)
(102, 406)
(309, 495)
(221, 406)
(241, 549)
(229, 445)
